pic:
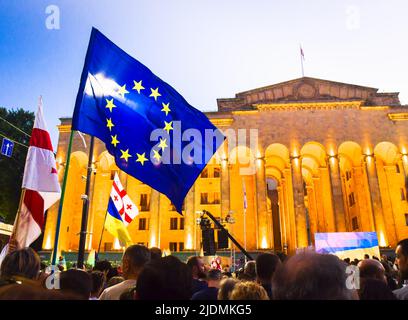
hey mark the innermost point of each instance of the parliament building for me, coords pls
(330, 157)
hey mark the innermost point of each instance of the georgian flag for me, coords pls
(40, 182)
(124, 205)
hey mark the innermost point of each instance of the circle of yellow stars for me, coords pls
(168, 126)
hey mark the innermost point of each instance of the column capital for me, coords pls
(295, 158)
(334, 156)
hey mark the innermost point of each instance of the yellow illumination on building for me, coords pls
(48, 245)
(116, 244)
(301, 147)
(152, 242)
(382, 241)
(189, 243)
(264, 243)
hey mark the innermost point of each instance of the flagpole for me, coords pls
(64, 184)
(301, 60)
(100, 240)
(15, 228)
(85, 208)
(245, 238)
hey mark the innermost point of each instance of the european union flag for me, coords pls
(149, 128)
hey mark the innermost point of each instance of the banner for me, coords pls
(348, 244)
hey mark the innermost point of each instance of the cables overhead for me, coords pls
(17, 128)
(16, 142)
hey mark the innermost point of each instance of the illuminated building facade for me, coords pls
(329, 157)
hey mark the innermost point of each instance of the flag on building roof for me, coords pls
(40, 182)
(149, 128)
(120, 213)
(302, 54)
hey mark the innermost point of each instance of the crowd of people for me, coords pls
(145, 275)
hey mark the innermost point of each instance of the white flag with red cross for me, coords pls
(40, 182)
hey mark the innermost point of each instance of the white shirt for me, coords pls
(401, 294)
(114, 292)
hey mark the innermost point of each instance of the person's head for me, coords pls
(248, 290)
(226, 287)
(103, 266)
(347, 260)
(21, 263)
(311, 276)
(113, 272)
(155, 253)
(114, 281)
(134, 258)
(197, 267)
(98, 283)
(401, 258)
(372, 269)
(266, 264)
(214, 277)
(164, 279)
(76, 281)
(366, 256)
(384, 257)
(374, 289)
(250, 269)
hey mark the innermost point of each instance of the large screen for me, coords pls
(348, 244)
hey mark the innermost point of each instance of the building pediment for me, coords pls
(307, 90)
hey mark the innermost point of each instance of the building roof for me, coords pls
(308, 89)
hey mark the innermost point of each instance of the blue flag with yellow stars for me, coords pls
(149, 128)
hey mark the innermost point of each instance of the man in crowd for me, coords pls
(401, 260)
(373, 281)
(312, 276)
(77, 282)
(196, 265)
(133, 261)
(372, 269)
(266, 264)
(165, 278)
(214, 277)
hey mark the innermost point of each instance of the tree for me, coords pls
(12, 169)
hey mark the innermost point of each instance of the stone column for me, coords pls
(321, 220)
(363, 199)
(404, 160)
(264, 233)
(299, 203)
(225, 187)
(392, 190)
(282, 215)
(290, 219)
(376, 203)
(312, 212)
(337, 194)
(189, 221)
(154, 225)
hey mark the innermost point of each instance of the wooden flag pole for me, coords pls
(61, 202)
(15, 228)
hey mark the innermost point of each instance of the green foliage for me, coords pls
(12, 169)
